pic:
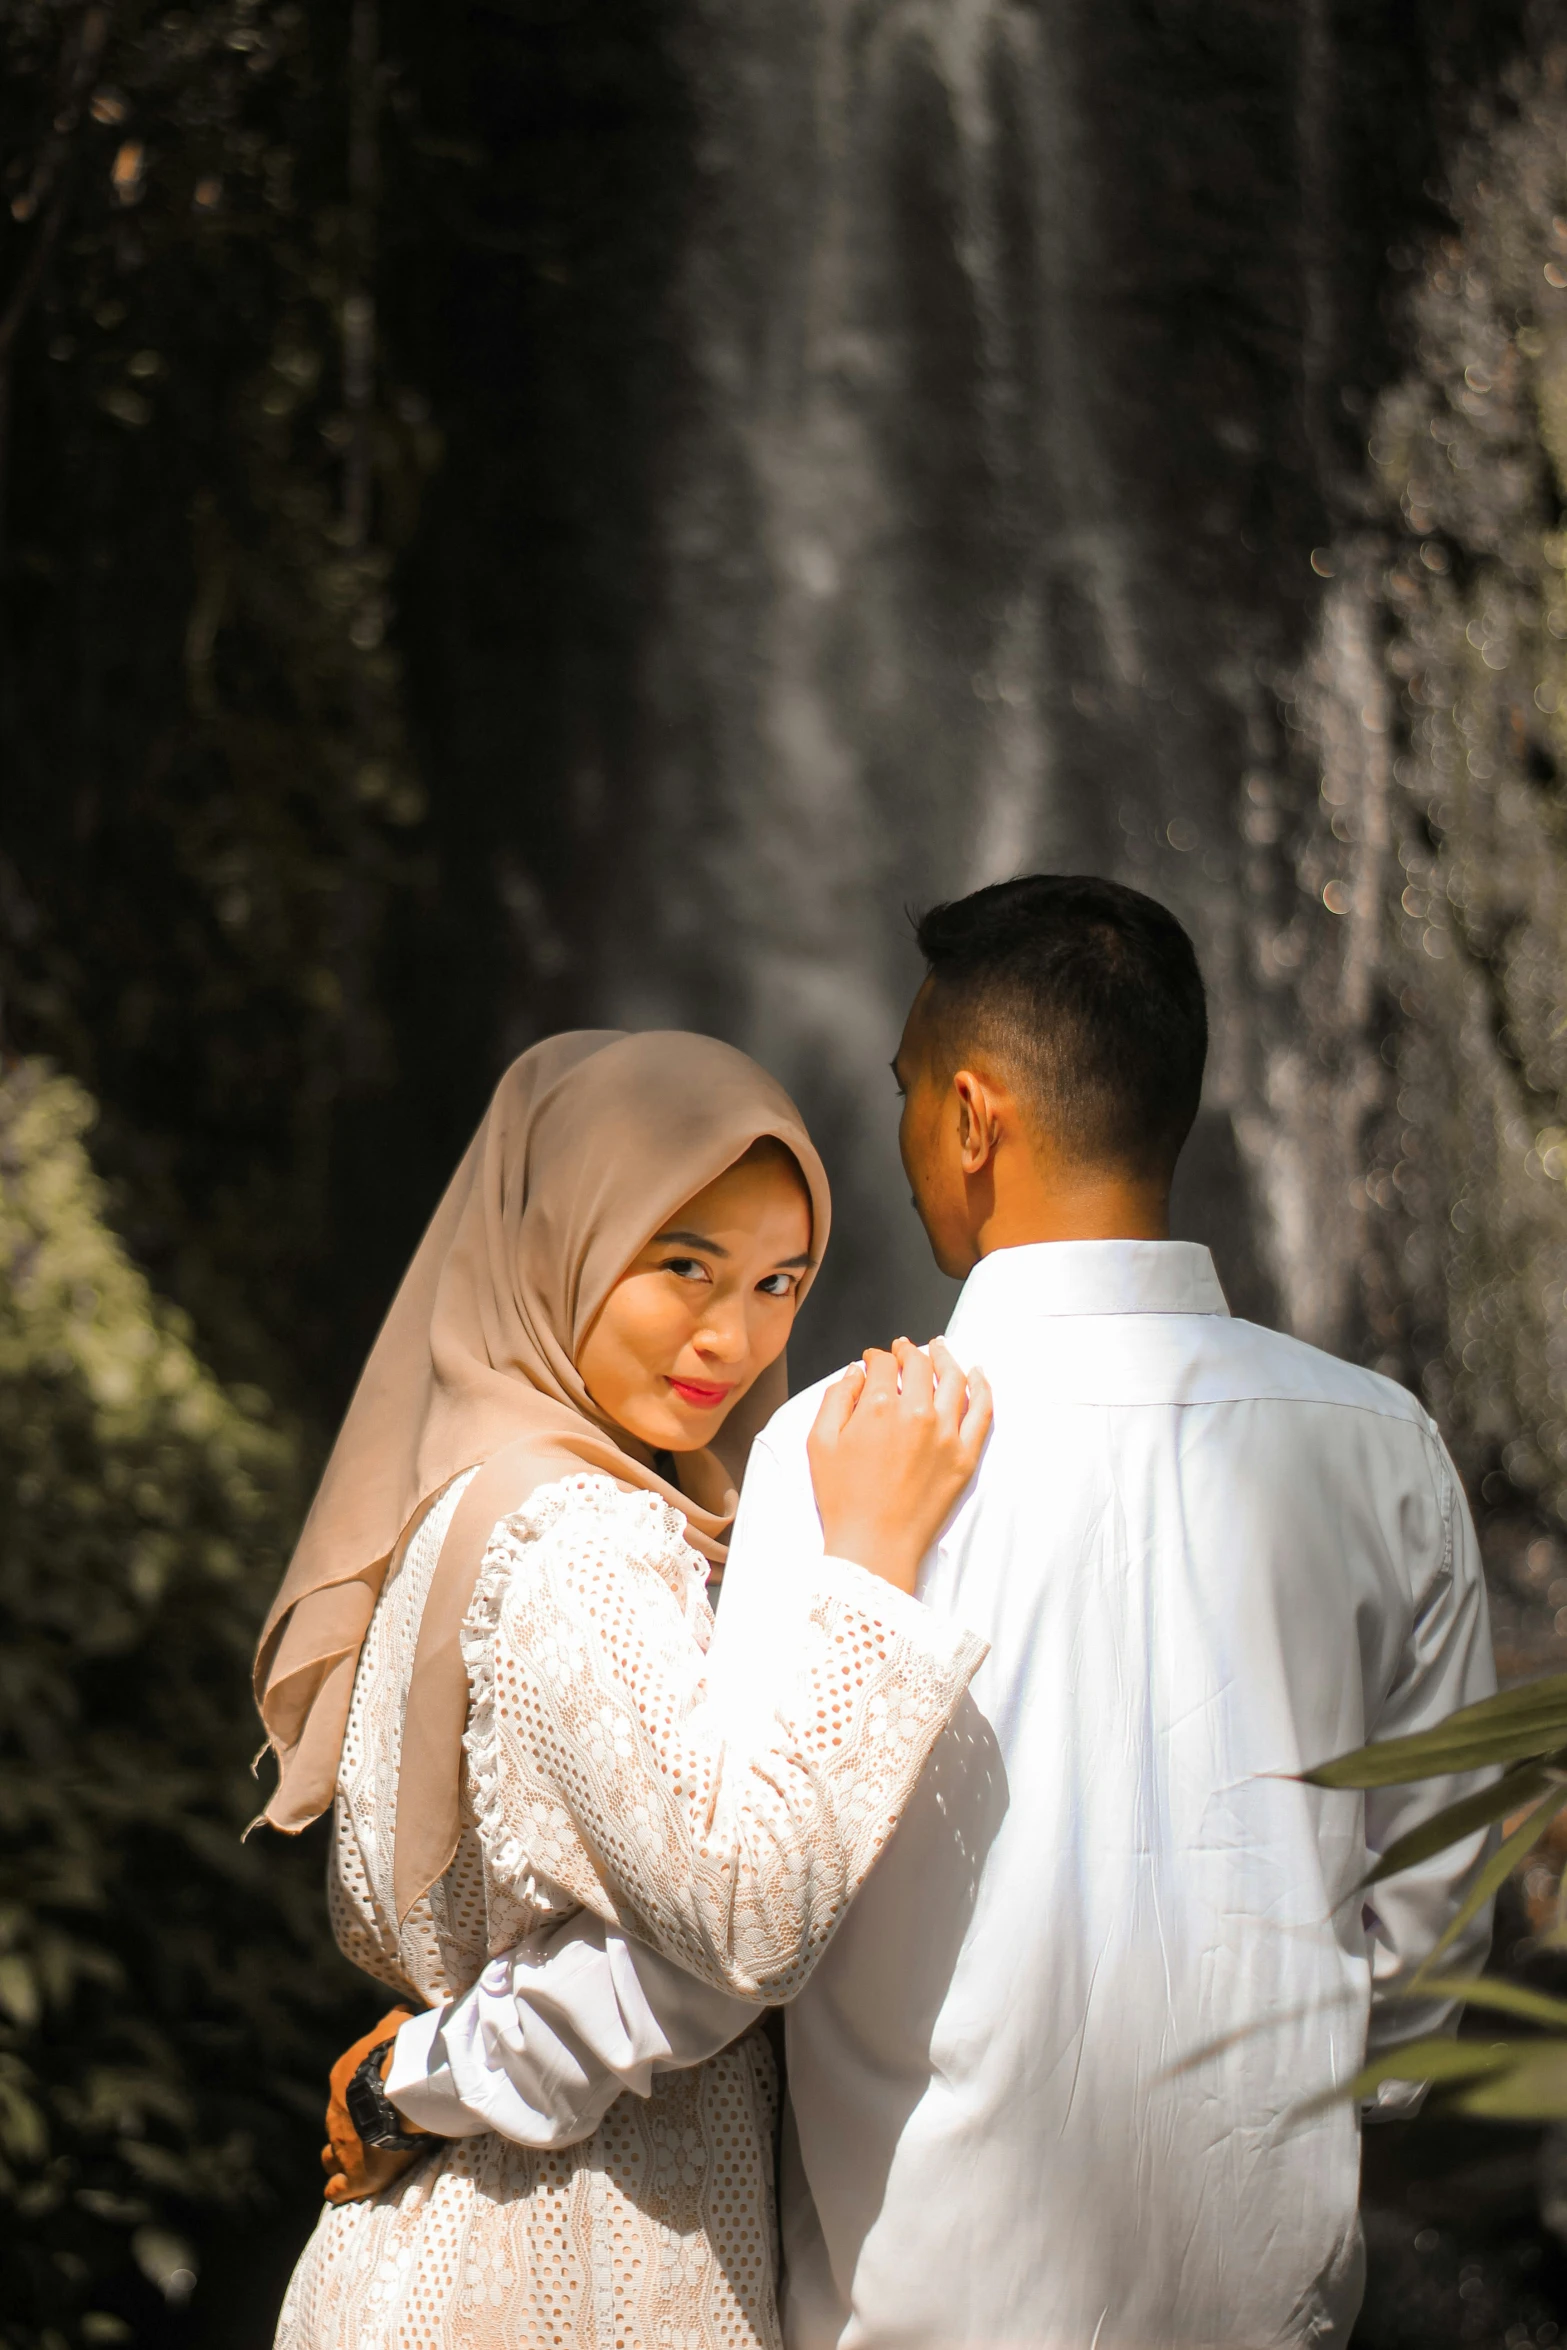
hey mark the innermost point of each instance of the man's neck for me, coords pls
(1096, 1207)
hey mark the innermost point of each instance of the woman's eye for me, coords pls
(686, 1268)
(777, 1285)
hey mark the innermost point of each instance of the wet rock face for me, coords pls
(1431, 711)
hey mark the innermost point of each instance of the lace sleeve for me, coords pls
(731, 1842)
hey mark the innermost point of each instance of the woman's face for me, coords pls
(705, 1307)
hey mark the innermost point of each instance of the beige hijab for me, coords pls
(593, 1139)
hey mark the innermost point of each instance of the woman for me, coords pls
(488, 1657)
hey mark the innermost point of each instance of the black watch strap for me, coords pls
(374, 2116)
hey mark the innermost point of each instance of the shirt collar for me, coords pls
(1087, 1277)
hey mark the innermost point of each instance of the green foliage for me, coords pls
(165, 1990)
(1517, 1726)
(1525, 1729)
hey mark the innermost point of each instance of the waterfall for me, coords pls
(899, 595)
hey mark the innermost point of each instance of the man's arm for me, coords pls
(573, 2017)
(1447, 1663)
(553, 2032)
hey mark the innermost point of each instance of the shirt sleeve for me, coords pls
(777, 1545)
(725, 1828)
(553, 2032)
(1447, 1663)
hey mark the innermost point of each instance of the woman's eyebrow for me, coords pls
(715, 1248)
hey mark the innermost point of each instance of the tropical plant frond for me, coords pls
(1535, 2007)
(1457, 1820)
(1495, 1872)
(1528, 1724)
(1436, 2059)
(1531, 2088)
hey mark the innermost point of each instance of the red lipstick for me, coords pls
(702, 1394)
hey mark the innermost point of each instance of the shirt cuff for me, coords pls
(1395, 2101)
(940, 1637)
(419, 2080)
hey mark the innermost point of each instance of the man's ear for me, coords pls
(978, 1127)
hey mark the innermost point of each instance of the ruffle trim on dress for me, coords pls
(655, 1538)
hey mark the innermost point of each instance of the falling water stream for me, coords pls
(905, 642)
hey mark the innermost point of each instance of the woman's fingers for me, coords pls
(891, 1453)
(978, 1416)
(837, 1405)
(951, 1386)
(915, 1383)
(915, 1375)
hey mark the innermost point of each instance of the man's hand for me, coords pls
(895, 1442)
(353, 2169)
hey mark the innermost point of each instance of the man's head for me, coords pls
(1050, 1067)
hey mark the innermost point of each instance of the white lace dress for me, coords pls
(602, 1774)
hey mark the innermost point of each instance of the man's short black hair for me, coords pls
(1090, 996)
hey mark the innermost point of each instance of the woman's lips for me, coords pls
(702, 1393)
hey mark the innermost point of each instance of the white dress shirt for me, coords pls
(1052, 2082)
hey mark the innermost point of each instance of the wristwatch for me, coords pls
(381, 2127)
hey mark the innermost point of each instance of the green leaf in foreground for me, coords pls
(1517, 1725)
(1532, 2088)
(1535, 2007)
(1497, 2080)
(1438, 2060)
(1497, 1869)
(1504, 2080)
(1457, 1820)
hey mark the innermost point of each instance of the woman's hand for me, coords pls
(895, 1442)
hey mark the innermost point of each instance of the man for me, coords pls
(1055, 2081)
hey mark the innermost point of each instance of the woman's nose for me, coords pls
(724, 1335)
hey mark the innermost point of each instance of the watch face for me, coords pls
(362, 2109)
(374, 2116)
